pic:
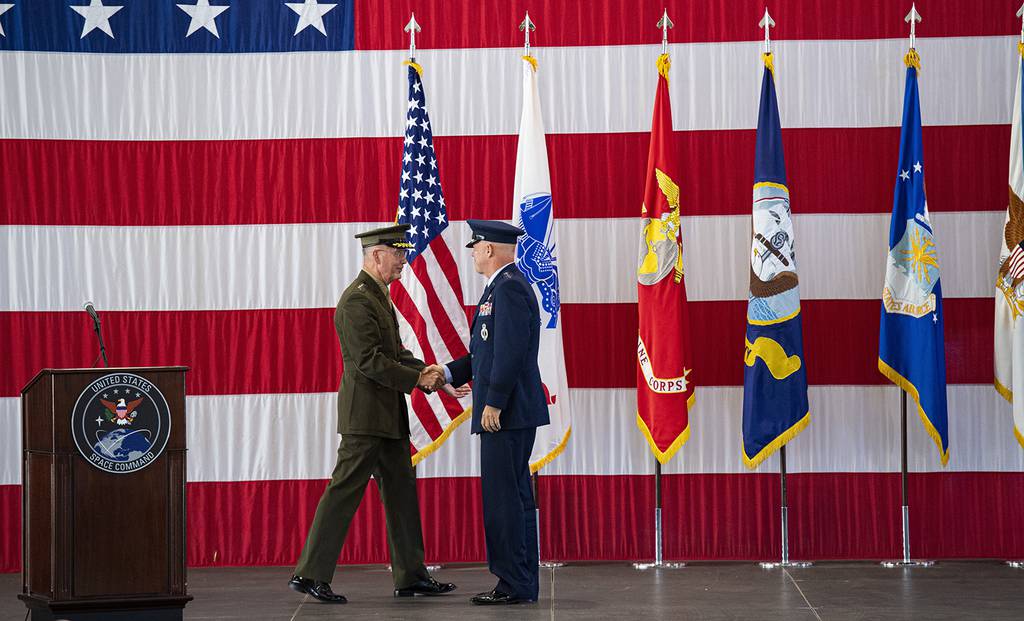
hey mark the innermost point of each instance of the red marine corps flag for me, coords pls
(664, 357)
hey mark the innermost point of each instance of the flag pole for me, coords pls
(526, 27)
(1020, 14)
(767, 23)
(536, 499)
(785, 562)
(912, 18)
(664, 24)
(412, 28)
(905, 516)
(659, 561)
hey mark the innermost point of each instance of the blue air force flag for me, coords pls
(911, 349)
(536, 259)
(775, 407)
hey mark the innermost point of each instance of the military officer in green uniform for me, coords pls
(374, 425)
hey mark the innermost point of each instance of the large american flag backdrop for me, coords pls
(199, 173)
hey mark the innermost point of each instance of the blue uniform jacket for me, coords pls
(502, 360)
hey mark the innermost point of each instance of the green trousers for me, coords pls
(389, 461)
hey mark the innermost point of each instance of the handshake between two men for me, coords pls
(373, 419)
(432, 379)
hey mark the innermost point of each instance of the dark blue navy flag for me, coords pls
(775, 407)
(911, 348)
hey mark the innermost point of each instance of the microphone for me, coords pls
(89, 308)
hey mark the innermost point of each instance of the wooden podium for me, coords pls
(103, 494)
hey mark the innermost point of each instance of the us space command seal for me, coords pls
(121, 423)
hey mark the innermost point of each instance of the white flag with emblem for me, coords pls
(536, 255)
(1009, 326)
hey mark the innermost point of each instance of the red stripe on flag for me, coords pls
(438, 315)
(443, 255)
(421, 407)
(840, 340)
(706, 516)
(10, 534)
(614, 22)
(426, 415)
(451, 406)
(128, 183)
(408, 309)
(220, 347)
(1016, 269)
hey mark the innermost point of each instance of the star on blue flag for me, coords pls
(420, 199)
(911, 348)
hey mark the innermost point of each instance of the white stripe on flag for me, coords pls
(227, 267)
(1017, 262)
(432, 338)
(588, 89)
(292, 436)
(449, 299)
(419, 436)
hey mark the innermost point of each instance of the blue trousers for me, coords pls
(510, 519)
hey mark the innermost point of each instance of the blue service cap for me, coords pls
(493, 231)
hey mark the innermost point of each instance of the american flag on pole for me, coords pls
(428, 297)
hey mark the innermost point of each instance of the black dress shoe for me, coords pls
(496, 598)
(320, 591)
(425, 587)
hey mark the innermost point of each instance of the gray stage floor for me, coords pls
(741, 591)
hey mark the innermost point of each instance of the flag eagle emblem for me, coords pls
(121, 413)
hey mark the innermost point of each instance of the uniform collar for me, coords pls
(494, 276)
(380, 287)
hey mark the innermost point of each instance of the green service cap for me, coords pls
(393, 236)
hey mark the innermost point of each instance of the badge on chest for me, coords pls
(485, 310)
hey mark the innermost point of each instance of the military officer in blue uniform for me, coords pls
(508, 406)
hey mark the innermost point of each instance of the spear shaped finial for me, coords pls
(527, 27)
(412, 28)
(913, 17)
(1020, 14)
(665, 23)
(767, 23)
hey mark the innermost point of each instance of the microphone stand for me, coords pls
(99, 335)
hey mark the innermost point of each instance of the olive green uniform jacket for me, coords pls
(379, 370)
(374, 423)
